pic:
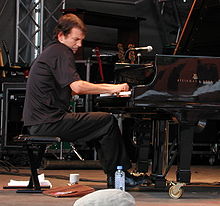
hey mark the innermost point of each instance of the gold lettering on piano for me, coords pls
(195, 76)
(195, 79)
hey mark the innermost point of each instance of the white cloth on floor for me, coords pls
(41, 178)
(106, 197)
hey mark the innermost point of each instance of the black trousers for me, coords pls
(97, 128)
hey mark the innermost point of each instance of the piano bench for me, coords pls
(35, 147)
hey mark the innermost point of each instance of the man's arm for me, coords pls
(84, 87)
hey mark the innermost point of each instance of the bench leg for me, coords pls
(35, 161)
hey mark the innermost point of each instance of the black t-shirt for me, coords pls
(48, 92)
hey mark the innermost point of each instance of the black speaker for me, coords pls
(12, 101)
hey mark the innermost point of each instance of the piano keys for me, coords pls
(120, 94)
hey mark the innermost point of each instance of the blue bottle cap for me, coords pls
(119, 167)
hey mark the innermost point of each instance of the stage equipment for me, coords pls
(12, 100)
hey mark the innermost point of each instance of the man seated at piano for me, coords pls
(52, 80)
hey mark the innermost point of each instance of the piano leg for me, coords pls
(143, 137)
(160, 152)
(185, 141)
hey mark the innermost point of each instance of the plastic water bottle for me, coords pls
(120, 178)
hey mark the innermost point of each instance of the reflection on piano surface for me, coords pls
(134, 74)
(182, 81)
(185, 87)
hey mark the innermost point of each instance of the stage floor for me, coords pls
(193, 196)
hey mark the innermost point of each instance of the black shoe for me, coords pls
(130, 180)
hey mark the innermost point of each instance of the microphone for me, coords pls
(147, 48)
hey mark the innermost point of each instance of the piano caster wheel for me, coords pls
(176, 190)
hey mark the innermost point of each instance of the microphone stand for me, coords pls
(138, 55)
(127, 52)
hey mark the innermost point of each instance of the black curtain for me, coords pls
(7, 25)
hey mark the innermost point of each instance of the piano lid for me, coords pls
(182, 80)
(201, 32)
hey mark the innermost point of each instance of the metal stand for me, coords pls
(29, 39)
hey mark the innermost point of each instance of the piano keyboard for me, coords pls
(122, 94)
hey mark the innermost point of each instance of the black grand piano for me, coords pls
(184, 88)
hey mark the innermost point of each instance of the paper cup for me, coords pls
(74, 178)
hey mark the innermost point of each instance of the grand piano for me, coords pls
(184, 88)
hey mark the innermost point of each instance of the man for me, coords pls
(52, 80)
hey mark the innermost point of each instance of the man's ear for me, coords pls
(60, 36)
